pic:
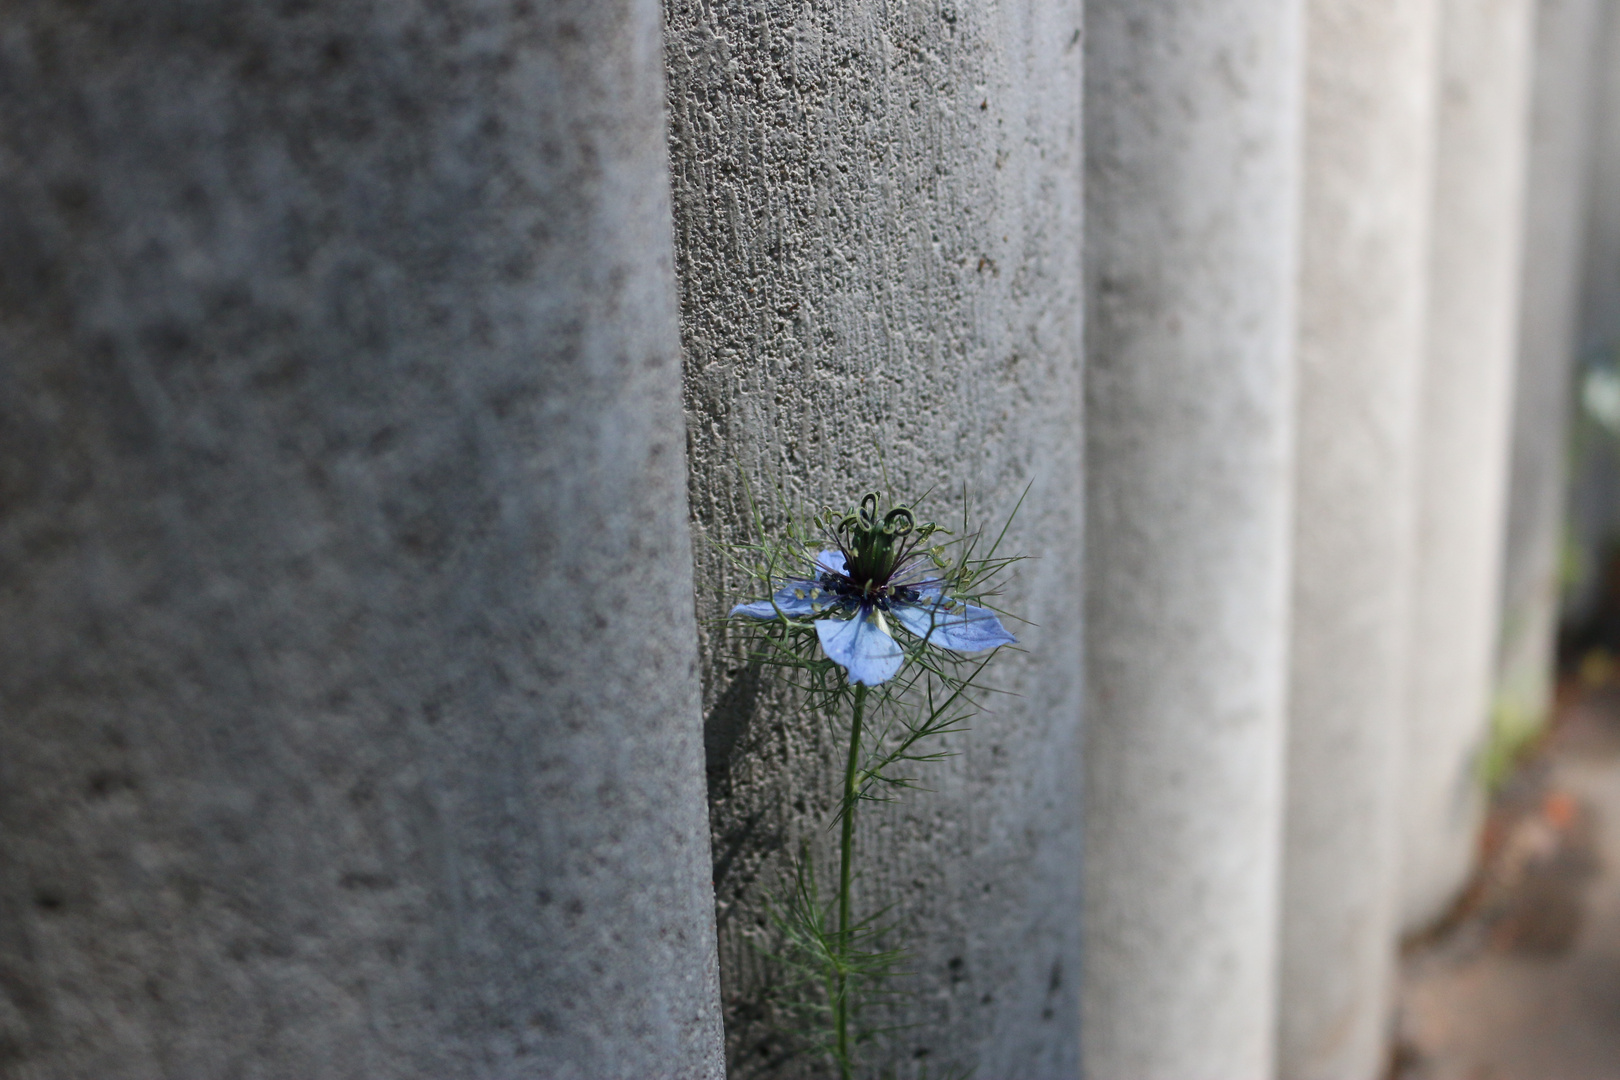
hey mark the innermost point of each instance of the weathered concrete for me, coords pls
(1369, 122)
(1556, 194)
(1192, 141)
(1473, 303)
(878, 229)
(350, 724)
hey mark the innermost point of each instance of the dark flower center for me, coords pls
(875, 550)
(851, 591)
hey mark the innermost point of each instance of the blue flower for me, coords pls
(873, 580)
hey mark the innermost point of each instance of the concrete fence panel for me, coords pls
(878, 212)
(1363, 288)
(1192, 141)
(349, 717)
(1479, 166)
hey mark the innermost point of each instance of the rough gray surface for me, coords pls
(1480, 143)
(878, 226)
(350, 719)
(1192, 143)
(1363, 283)
(1557, 187)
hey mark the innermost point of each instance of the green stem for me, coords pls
(846, 859)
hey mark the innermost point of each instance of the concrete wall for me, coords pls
(1363, 287)
(1192, 143)
(878, 225)
(1473, 333)
(1556, 196)
(350, 719)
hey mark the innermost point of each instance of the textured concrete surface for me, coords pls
(1473, 292)
(349, 724)
(1556, 197)
(878, 227)
(1524, 986)
(1192, 141)
(1369, 121)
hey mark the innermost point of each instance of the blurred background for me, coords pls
(1518, 977)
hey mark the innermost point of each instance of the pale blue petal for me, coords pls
(862, 645)
(758, 609)
(833, 562)
(961, 628)
(929, 588)
(794, 598)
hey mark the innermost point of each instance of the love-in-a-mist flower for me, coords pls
(875, 578)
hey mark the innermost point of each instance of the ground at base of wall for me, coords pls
(1523, 982)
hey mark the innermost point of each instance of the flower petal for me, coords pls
(833, 562)
(918, 573)
(794, 598)
(959, 627)
(862, 645)
(919, 580)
